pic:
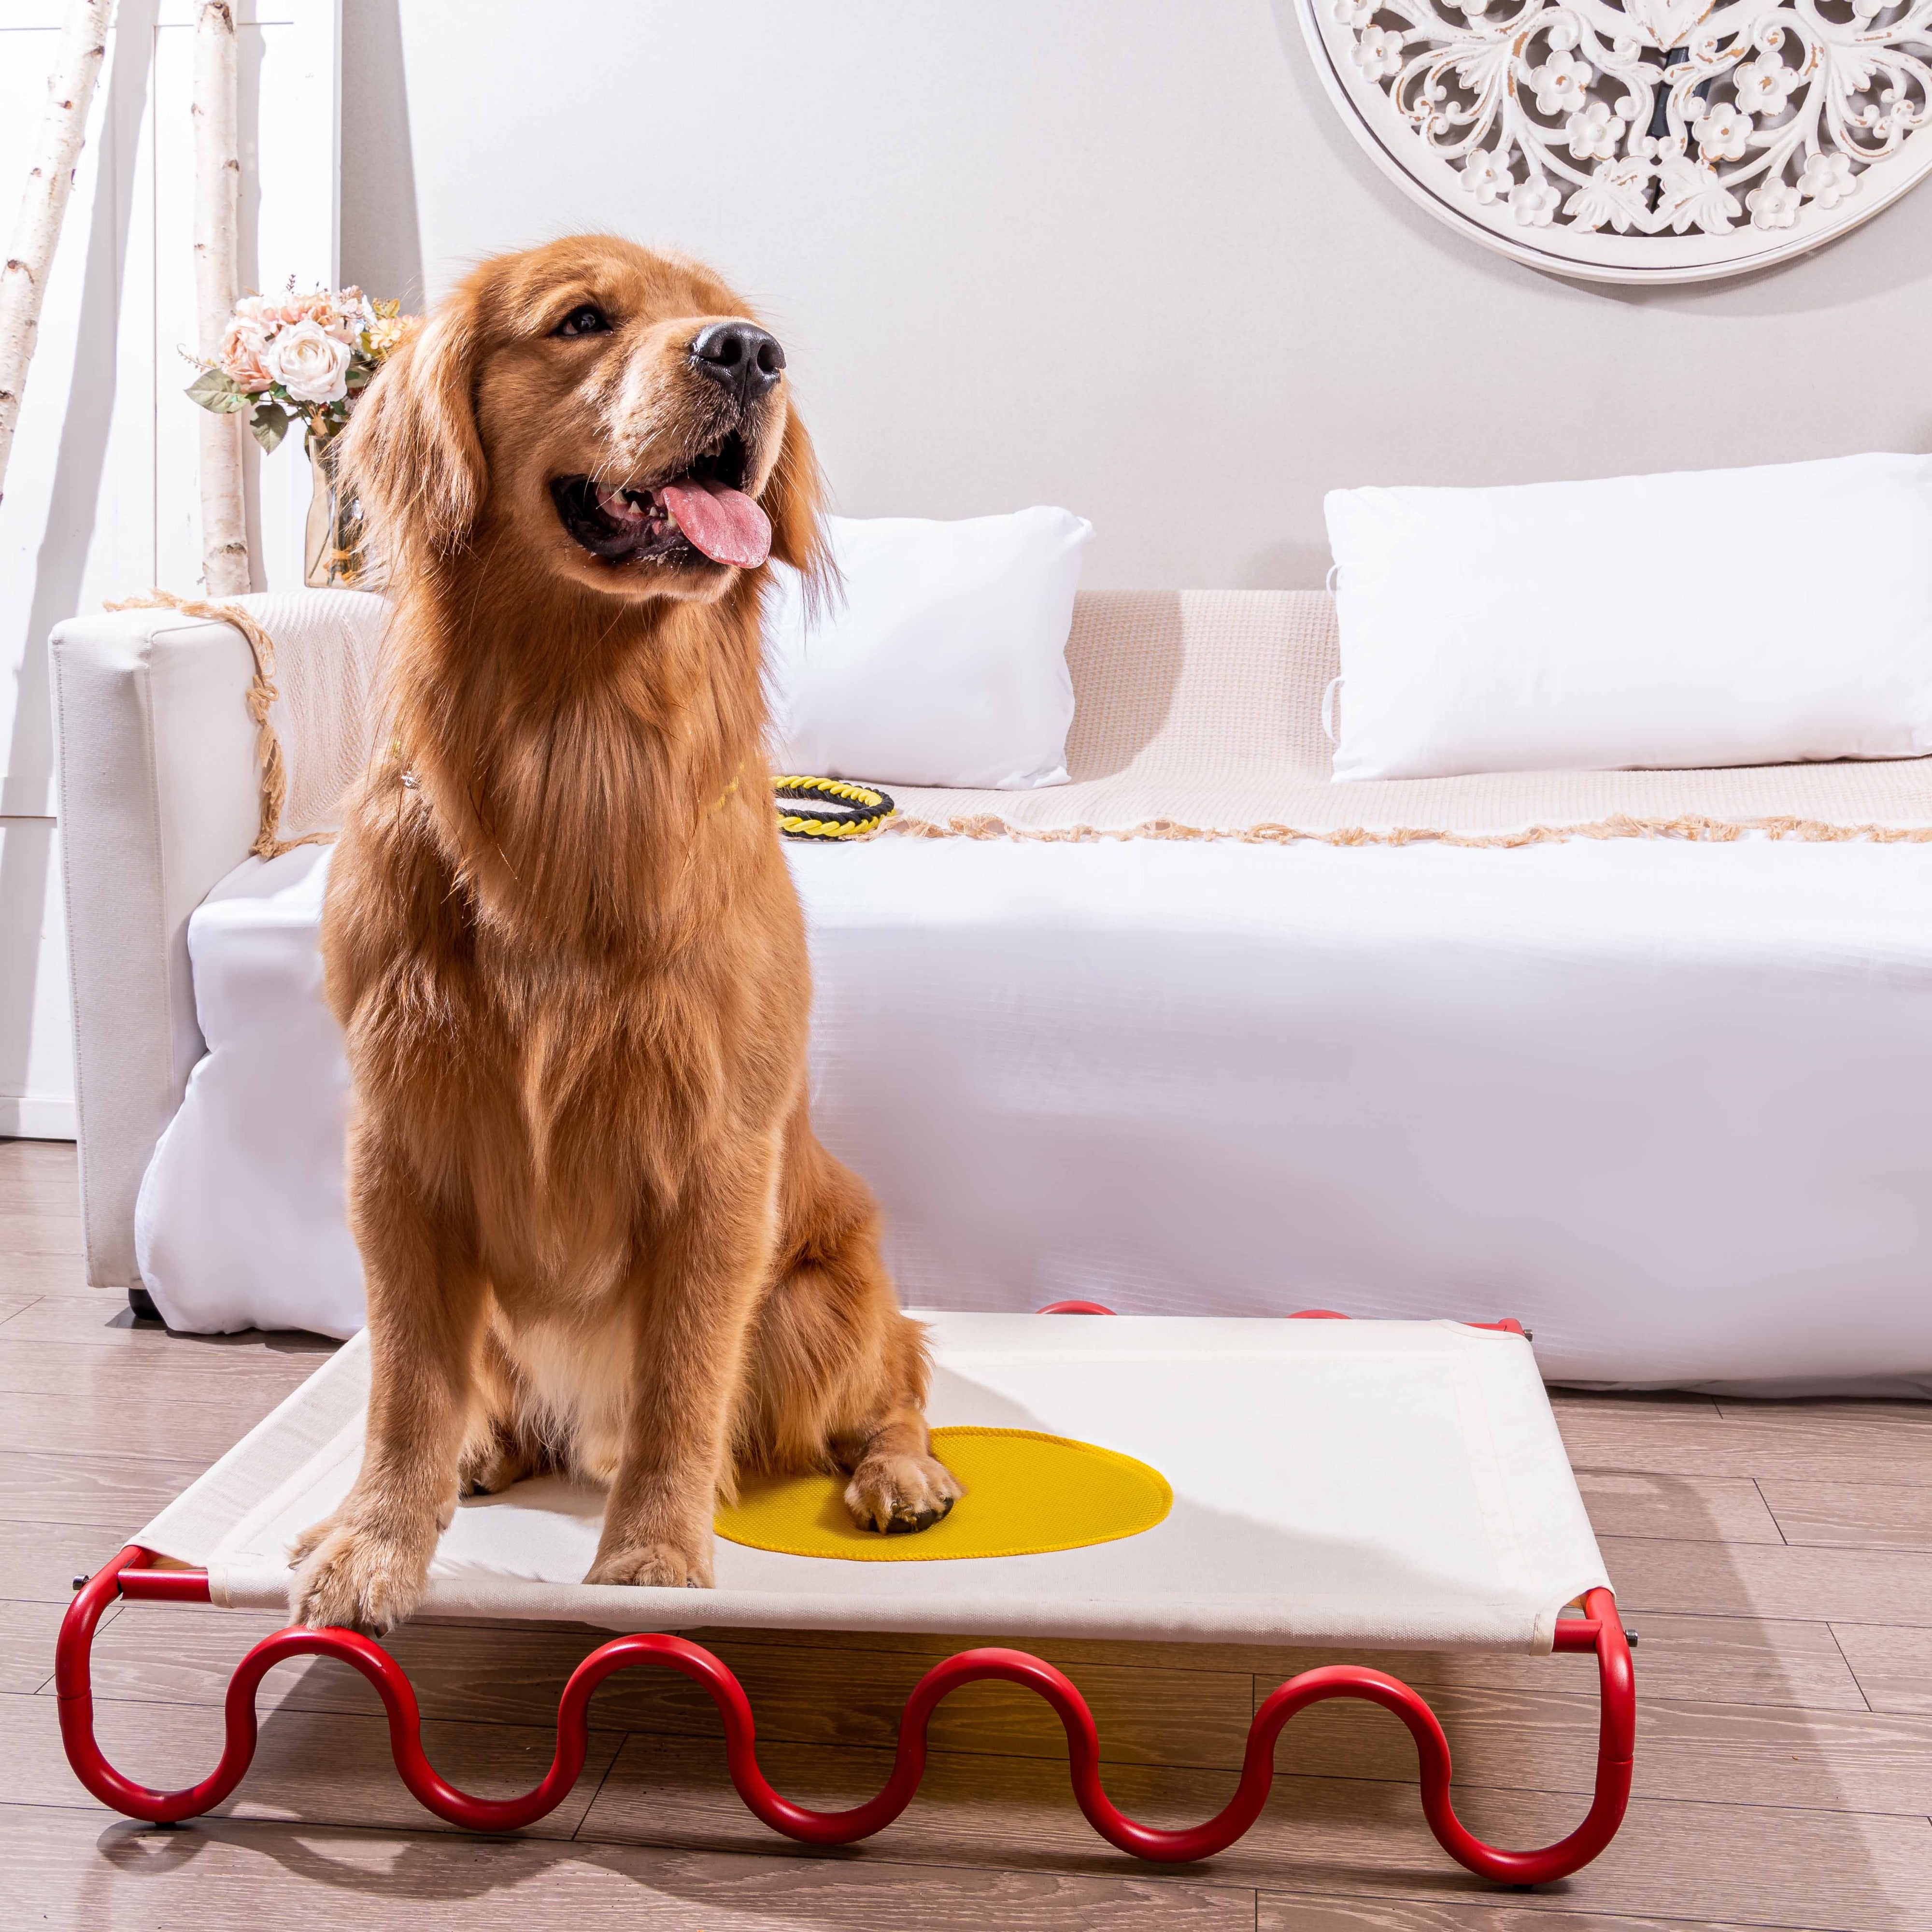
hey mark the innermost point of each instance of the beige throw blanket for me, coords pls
(1198, 716)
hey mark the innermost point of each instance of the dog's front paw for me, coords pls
(644, 1566)
(901, 1494)
(304, 1546)
(354, 1580)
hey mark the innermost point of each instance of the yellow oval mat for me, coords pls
(1026, 1494)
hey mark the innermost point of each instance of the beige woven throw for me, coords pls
(1198, 716)
(312, 696)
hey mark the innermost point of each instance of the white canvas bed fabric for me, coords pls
(1663, 1103)
(1389, 1484)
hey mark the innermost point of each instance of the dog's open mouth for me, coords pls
(705, 510)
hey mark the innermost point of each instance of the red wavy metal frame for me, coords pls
(131, 1575)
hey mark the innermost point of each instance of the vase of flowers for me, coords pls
(306, 358)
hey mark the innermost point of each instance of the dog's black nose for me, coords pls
(740, 356)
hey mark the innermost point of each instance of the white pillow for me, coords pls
(1718, 617)
(944, 663)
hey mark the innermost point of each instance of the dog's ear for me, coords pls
(411, 452)
(793, 500)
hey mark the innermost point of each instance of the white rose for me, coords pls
(310, 363)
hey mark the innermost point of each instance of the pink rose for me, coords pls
(244, 354)
(322, 309)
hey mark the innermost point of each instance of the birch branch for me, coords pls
(217, 192)
(23, 280)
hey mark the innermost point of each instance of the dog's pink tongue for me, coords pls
(724, 523)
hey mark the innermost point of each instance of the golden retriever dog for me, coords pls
(565, 952)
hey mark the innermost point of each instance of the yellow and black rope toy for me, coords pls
(839, 809)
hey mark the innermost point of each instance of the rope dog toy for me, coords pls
(836, 809)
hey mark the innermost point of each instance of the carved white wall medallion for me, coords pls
(1637, 140)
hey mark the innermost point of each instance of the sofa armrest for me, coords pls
(159, 800)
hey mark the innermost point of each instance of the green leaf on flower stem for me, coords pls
(215, 390)
(270, 424)
(358, 377)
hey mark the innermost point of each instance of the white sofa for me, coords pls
(1664, 1102)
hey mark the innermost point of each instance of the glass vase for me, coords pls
(335, 551)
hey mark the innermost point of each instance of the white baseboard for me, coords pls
(23, 1117)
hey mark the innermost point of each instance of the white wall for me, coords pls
(1120, 254)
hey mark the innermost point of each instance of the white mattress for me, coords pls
(1396, 1484)
(1666, 1104)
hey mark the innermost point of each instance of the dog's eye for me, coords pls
(585, 321)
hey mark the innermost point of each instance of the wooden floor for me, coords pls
(1776, 1559)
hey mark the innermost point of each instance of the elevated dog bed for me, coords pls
(1379, 1483)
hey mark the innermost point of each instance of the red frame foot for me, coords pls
(131, 1576)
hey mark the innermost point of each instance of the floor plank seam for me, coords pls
(1776, 1523)
(1875, 1483)
(1532, 1899)
(1857, 1680)
(215, 1706)
(83, 1459)
(1438, 1886)
(1581, 1794)
(603, 1779)
(1622, 1536)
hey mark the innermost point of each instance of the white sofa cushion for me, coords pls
(1718, 617)
(944, 663)
(1188, 1078)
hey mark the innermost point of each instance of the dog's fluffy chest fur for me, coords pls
(563, 1094)
(563, 1100)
